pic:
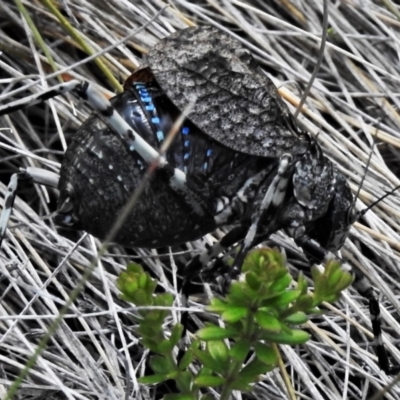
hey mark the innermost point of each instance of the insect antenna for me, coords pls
(359, 214)
(319, 60)
(355, 215)
(387, 194)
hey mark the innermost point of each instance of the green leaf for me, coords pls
(218, 350)
(285, 298)
(286, 328)
(238, 294)
(316, 274)
(164, 300)
(160, 364)
(266, 263)
(142, 298)
(305, 302)
(150, 285)
(253, 281)
(150, 344)
(338, 278)
(252, 370)
(296, 336)
(207, 361)
(281, 284)
(240, 350)
(184, 381)
(209, 381)
(205, 371)
(153, 379)
(267, 321)
(216, 333)
(154, 317)
(297, 318)
(127, 283)
(150, 329)
(266, 354)
(176, 334)
(234, 314)
(135, 268)
(186, 360)
(242, 384)
(302, 284)
(345, 281)
(143, 278)
(217, 305)
(165, 346)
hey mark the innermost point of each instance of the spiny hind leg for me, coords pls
(132, 140)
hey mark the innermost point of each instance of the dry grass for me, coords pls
(354, 101)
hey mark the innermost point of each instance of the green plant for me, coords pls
(259, 312)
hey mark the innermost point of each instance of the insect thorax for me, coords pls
(333, 227)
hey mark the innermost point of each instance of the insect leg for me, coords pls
(36, 175)
(101, 104)
(271, 202)
(199, 262)
(361, 284)
(268, 209)
(133, 141)
(40, 97)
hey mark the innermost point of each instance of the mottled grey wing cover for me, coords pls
(237, 105)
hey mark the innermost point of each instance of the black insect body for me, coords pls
(237, 131)
(99, 175)
(239, 159)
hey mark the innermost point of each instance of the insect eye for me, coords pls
(352, 215)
